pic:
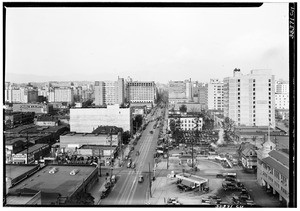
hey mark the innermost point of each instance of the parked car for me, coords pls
(151, 132)
(219, 176)
(129, 164)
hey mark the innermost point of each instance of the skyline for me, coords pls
(148, 44)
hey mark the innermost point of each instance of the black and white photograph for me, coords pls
(149, 104)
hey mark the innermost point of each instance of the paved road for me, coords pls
(127, 190)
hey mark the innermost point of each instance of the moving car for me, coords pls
(133, 165)
(141, 179)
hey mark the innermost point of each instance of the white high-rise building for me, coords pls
(250, 99)
(19, 95)
(109, 92)
(215, 94)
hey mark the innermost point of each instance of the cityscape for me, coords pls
(141, 138)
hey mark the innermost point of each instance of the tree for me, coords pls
(137, 121)
(229, 129)
(183, 108)
(126, 137)
(172, 125)
(82, 198)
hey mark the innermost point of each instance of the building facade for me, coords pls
(109, 92)
(85, 120)
(215, 94)
(250, 98)
(31, 107)
(273, 170)
(141, 92)
(187, 122)
(203, 95)
(64, 95)
(180, 91)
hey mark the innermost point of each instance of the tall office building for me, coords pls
(141, 92)
(203, 95)
(19, 95)
(180, 91)
(109, 92)
(249, 99)
(215, 94)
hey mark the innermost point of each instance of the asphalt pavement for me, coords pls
(127, 189)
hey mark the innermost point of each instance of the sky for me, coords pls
(149, 44)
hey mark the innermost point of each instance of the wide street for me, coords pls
(127, 189)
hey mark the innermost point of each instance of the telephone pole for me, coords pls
(27, 143)
(111, 163)
(99, 164)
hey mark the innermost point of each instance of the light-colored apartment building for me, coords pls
(187, 122)
(109, 92)
(250, 99)
(215, 94)
(64, 94)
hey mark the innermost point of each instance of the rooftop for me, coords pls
(33, 148)
(13, 171)
(107, 129)
(277, 166)
(47, 118)
(280, 156)
(60, 182)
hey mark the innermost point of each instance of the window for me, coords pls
(253, 84)
(253, 120)
(269, 84)
(254, 106)
(253, 115)
(269, 106)
(269, 115)
(238, 89)
(238, 93)
(238, 101)
(253, 111)
(269, 102)
(239, 106)
(269, 80)
(253, 80)
(253, 89)
(253, 98)
(238, 80)
(253, 93)
(238, 98)
(253, 102)
(269, 89)
(269, 98)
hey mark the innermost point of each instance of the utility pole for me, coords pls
(111, 163)
(99, 164)
(150, 181)
(27, 145)
(167, 153)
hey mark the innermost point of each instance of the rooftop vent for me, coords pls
(74, 172)
(53, 171)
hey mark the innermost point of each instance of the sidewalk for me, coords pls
(97, 189)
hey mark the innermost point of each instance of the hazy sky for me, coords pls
(159, 44)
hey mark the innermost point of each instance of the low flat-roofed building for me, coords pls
(16, 173)
(31, 154)
(71, 141)
(46, 121)
(37, 108)
(61, 183)
(13, 119)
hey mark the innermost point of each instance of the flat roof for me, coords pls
(13, 171)
(16, 200)
(33, 148)
(60, 182)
